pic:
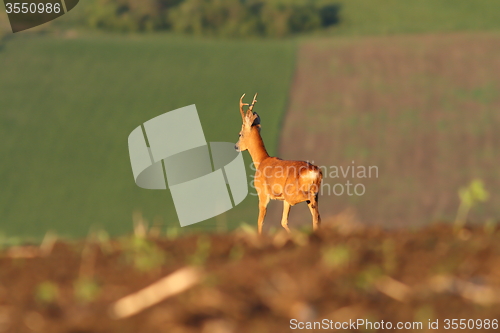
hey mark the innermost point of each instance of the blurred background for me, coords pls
(408, 87)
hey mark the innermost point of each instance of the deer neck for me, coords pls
(257, 149)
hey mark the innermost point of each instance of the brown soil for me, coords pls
(254, 284)
(423, 109)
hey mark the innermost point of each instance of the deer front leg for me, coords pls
(313, 207)
(263, 201)
(284, 219)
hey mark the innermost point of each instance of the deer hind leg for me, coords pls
(284, 219)
(263, 201)
(313, 207)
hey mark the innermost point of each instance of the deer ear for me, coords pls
(256, 120)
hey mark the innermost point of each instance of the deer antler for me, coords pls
(241, 108)
(250, 116)
(250, 108)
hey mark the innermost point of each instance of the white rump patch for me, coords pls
(312, 174)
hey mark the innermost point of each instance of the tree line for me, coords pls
(228, 18)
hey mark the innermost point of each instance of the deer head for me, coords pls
(251, 123)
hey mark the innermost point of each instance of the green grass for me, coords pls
(67, 107)
(380, 17)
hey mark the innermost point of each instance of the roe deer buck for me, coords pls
(290, 181)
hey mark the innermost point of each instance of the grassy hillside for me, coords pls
(368, 17)
(68, 105)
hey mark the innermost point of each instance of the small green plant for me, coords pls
(248, 229)
(305, 230)
(102, 238)
(86, 289)
(490, 226)
(8, 241)
(273, 230)
(47, 292)
(173, 232)
(337, 256)
(143, 254)
(300, 237)
(389, 255)
(424, 313)
(202, 251)
(211, 280)
(469, 196)
(367, 277)
(236, 253)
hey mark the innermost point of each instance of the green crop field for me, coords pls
(67, 107)
(368, 17)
